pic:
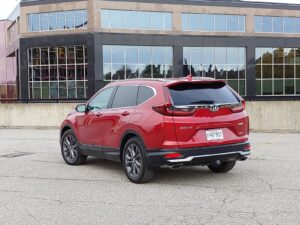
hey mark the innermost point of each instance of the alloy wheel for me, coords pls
(133, 160)
(70, 148)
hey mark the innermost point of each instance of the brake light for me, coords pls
(169, 110)
(239, 108)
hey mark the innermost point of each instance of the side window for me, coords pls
(125, 96)
(144, 94)
(101, 100)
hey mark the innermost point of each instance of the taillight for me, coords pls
(238, 107)
(169, 110)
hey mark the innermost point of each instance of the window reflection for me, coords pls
(216, 62)
(74, 19)
(130, 19)
(126, 62)
(277, 24)
(213, 22)
(277, 72)
(57, 72)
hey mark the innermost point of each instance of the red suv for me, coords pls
(146, 124)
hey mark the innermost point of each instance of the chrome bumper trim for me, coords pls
(190, 158)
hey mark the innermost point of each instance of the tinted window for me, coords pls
(144, 94)
(205, 93)
(126, 96)
(101, 100)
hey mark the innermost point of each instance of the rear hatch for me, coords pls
(207, 113)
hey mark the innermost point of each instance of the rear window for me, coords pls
(144, 94)
(202, 93)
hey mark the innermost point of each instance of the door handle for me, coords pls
(125, 113)
(98, 114)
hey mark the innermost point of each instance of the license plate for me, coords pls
(213, 135)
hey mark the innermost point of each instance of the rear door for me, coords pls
(115, 119)
(217, 116)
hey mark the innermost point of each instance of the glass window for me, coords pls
(144, 93)
(55, 65)
(242, 22)
(80, 19)
(44, 56)
(130, 19)
(278, 73)
(70, 20)
(220, 63)
(158, 55)
(71, 55)
(257, 24)
(289, 87)
(144, 20)
(61, 20)
(124, 19)
(79, 54)
(232, 55)
(220, 21)
(278, 24)
(209, 55)
(131, 54)
(185, 22)
(52, 21)
(125, 62)
(220, 56)
(44, 21)
(57, 20)
(105, 18)
(126, 96)
(117, 19)
(297, 25)
(101, 100)
(267, 24)
(232, 23)
(195, 22)
(289, 25)
(278, 55)
(208, 22)
(167, 21)
(145, 55)
(196, 56)
(34, 22)
(157, 19)
(106, 54)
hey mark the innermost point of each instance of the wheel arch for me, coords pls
(125, 137)
(65, 128)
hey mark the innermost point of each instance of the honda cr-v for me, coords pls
(146, 124)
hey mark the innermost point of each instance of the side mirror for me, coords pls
(81, 108)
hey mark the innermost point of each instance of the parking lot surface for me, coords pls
(37, 187)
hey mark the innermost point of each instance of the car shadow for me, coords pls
(180, 176)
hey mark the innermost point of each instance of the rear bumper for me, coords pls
(199, 156)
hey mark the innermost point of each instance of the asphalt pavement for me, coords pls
(37, 187)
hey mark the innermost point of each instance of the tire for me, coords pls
(135, 162)
(70, 151)
(222, 167)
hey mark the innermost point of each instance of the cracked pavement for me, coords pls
(37, 187)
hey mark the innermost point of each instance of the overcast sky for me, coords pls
(6, 6)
